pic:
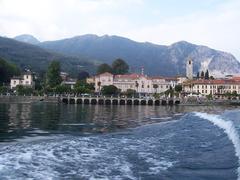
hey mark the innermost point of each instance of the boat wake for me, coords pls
(228, 128)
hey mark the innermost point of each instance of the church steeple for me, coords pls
(189, 69)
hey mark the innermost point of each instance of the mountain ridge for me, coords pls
(156, 59)
(26, 55)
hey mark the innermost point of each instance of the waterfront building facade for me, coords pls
(26, 79)
(138, 82)
(214, 87)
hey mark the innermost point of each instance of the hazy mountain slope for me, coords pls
(27, 39)
(29, 56)
(157, 59)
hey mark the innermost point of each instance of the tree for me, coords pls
(197, 75)
(211, 77)
(83, 87)
(110, 90)
(202, 75)
(82, 75)
(130, 92)
(155, 86)
(3, 89)
(53, 74)
(60, 89)
(104, 68)
(21, 90)
(178, 88)
(7, 70)
(119, 66)
(206, 75)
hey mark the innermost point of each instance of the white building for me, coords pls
(27, 80)
(214, 87)
(138, 82)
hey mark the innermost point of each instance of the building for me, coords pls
(70, 82)
(189, 69)
(138, 82)
(26, 79)
(214, 87)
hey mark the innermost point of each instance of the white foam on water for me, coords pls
(228, 128)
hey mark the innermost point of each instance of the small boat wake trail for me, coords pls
(228, 128)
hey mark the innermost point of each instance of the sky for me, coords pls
(214, 23)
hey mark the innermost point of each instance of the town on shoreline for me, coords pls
(116, 85)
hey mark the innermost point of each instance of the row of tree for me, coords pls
(203, 75)
(118, 66)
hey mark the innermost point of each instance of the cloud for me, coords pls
(140, 20)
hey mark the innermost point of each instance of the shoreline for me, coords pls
(52, 99)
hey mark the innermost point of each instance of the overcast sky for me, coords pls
(215, 23)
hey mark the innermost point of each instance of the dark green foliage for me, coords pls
(206, 75)
(3, 89)
(202, 75)
(37, 59)
(130, 92)
(119, 66)
(169, 92)
(197, 75)
(83, 87)
(21, 90)
(82, 75)
(109, 90)
(53, 74)
(178, 88)
(7, 70)
(60, 89)
(104, 68)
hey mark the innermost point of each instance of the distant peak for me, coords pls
(27, 38)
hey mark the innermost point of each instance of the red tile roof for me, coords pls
(214, 81)
(128, 76)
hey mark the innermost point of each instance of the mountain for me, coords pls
(27, 39)
(30, 56)
(156, 59)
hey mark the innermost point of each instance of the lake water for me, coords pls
(58, 141)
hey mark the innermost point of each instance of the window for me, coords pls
(142, 86)
(27, 76)
(14, 82)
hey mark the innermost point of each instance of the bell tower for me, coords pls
(189, 69)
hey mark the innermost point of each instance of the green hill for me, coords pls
(37, 59)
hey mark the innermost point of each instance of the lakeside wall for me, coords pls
(113, 101)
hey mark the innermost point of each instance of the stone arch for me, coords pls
(157, 102)
(101, 101)
(143, 102)
(93, 101)
(122, 102)
(65, 100)
(150, 102)
(79, 101)
(177, 102)
(136, 102)
(170, 102)
(164, 102)
(72, 101)
(108, 102)
(86, 101)
(129, 102)
(115, 102)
